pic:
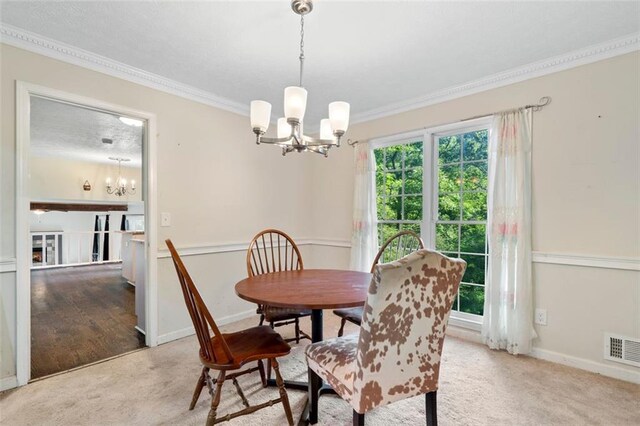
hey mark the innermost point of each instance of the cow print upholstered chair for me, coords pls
(399, 245)
(397, 353)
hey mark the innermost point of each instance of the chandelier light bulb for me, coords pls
(339, 116)
(260, 115)
(325, 129)
(295, 103)
(284, 128)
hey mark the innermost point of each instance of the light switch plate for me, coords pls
(165, 219)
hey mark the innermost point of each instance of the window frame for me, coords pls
(404, 139)
(429, 136)
(457, 318)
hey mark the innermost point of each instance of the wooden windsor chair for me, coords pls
(396, 247)
(230, 352)
(272, 250)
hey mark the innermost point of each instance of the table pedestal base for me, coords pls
(316, 336)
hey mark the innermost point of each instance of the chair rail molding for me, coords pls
(212, 248)
(607, 262)
(590, 261)
(42, 45)
(8, 265)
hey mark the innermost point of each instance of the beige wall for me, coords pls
(586, 193)
(220, 188)
(62, 179)
(217, 184)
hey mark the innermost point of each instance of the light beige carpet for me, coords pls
(477, 387)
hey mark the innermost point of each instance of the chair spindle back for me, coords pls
(272, 251)
(200, 315)
(397, 247)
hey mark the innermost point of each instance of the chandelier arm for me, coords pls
(277, 141)
(321, 142)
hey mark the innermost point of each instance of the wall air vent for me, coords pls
(622, 349)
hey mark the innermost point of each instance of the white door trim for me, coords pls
(23, 295)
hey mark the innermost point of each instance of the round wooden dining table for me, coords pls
(314, 289)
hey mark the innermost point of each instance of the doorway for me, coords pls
(86, 251)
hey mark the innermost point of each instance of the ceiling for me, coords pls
(370, 54)
(72, 132)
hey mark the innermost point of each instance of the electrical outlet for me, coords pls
(165, 219)
(540, 317)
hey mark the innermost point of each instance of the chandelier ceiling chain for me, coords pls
(290, 135)
(301, 48)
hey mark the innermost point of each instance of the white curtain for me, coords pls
(508, 317)
(364, 240)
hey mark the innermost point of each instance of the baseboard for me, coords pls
(8, 383)
(558, 358)
(188, 331)
(588, 365)
(464, 333)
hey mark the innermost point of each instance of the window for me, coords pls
(399, 189)
(448, 206)
(461, 210)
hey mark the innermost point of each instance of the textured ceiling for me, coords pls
(72, 132)
(370, 54)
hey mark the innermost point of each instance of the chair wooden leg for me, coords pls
(202, 381)
(358, 419)
(263, 376)
(314, 388)
(215, 401)
(261, 319)
(283, 391)
(297, 330)
(342, 324)
(432, 414)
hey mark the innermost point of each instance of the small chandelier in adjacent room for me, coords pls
(289, 129)
(120, 187)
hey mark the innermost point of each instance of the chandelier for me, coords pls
(120, 187)
(290, 136)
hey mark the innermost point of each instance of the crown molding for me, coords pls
(36, 43)
(27, 40)
(587, 55)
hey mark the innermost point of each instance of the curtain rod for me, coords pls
(542, 102)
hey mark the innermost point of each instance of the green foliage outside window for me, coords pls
(462, 203)
(462, 211)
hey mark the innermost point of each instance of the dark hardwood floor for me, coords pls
(80, 315)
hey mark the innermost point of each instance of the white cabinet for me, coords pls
(46, 248)
(128, 254)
